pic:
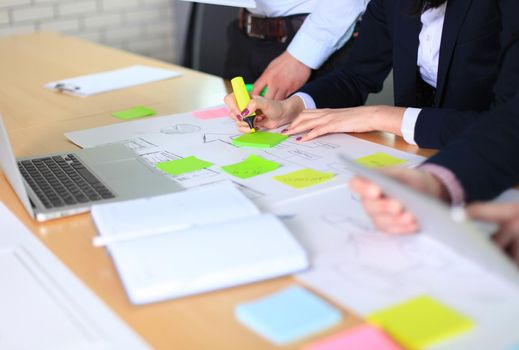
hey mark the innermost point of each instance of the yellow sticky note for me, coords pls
(420, 322)
(304, 178)
(379, 160)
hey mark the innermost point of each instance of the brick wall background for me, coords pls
(153, 28)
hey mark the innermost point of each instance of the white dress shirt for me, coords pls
(427, 61)
(327, 28)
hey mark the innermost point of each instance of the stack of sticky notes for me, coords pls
(183, 165)
(379, 160)
(214, 113)
(363, 337)
(304, 178)
(133, 113)
(420, 322)
(252, 166)
(288, 315)
(260, 139)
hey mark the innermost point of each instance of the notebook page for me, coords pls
(112, 80)
(207, 258)
(200, 206)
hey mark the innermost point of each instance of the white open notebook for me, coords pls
(195, 241)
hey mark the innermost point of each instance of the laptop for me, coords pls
(61, 184)
(444, 224)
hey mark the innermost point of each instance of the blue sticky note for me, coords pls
(288, 315)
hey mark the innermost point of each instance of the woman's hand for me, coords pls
(388, 214)
(270, 114)
(319, 122)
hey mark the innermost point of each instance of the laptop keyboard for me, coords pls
(62, 180)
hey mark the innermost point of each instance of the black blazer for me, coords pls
(485, 157)
(476, 33)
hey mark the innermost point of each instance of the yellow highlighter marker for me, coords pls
(242, 100)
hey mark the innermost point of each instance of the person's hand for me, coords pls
(270, 114)
(284, 75)
(506, 216)
(319, 122)
(388, 214)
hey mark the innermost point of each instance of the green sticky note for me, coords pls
(304, 178)
(260, 139)
(135, 112)
(252, 166)
(184, 165)
(420, 322)
(249, 88)
(379, 160)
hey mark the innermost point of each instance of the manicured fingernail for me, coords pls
(238, 117)
(245, 112)
(299, 138)
(284, 131)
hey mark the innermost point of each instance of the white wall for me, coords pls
(153, 28)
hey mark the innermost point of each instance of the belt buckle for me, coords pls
(248, 28)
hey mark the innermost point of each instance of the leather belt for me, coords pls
(269, 28)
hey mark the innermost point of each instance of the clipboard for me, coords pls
(96, 83)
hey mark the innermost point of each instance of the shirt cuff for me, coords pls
(408, 124)
(308, 101)
(321, 49)
(447, 179)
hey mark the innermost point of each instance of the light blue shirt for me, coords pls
(327, 28)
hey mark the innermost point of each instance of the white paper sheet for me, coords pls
(176, 136)
(44, 306)
(92, 84)
(365, 270)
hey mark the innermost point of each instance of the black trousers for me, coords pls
(249, 57)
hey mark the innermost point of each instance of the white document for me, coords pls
(365, 270)
(236, 3)
(171, 137)
(227, 242)
(92, 84)
(44, 306)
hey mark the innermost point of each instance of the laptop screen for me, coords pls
(10, 168)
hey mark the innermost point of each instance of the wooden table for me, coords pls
(36, 119)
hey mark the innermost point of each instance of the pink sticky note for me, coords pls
(359, 338)
(212, 113)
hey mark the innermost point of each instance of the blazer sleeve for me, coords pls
(367, 64)
(436, 127)
(484, 158)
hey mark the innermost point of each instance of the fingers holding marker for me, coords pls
(231, 104)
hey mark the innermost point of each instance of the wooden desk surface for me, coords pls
(36, 119)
